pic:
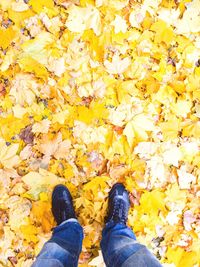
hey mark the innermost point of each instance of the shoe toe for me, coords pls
(117, 189)
(61, 192)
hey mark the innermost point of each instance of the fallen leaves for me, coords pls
(185, 178)
(98, 261)
(23, 89)
(27, 135)
(190, 22)
(28, 64)
(7, 36)
(37, 48)
(42, 215)
(137, 128)
(118, 65)
(119, 24)
(163, 32)
(54, 147)
(38, 7)
(35, 179)
(41, 127)
(81, 19)
(19, 6)
(8, 154)
(152, 202)
(19, 210)
(92, 93)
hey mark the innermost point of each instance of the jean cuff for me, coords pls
(112, 224)
(69, 220)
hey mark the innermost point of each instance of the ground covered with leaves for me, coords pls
(91, 93)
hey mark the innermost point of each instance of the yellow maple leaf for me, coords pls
(170, 128)
(137, 15)
(37, 48)
(18, 17)
(7, 36)
(175, 194)
(19, 6)
(96, 44)
(28, 64)
(39, 6)
(138, 128)
(189, 151)
(4, 4)
(84, 18)
(30, 233)
(192, 129)
(19, 210)
(96, 184)
(10, 126)
(43, 177)
(117, 65)
(163, 32)
(41, 127)
(39, 182)
(119, 24)
(8, 154)
(162, 70)
(60, 117)
(42, 214)
(189, 259)
(180, 257)
(182, 107)
(68, 172)
(189, 22)
(19, 111)
(84, 114)
(99, 110)
(174, 255)
(119, 147)
(23, 89)
(44, 196)
(9, 59)
(152, 202)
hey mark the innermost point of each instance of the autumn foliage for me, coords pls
(91, 93)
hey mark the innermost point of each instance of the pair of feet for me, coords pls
(118, 204)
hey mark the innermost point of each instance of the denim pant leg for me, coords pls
(64, 247)
(120, 248)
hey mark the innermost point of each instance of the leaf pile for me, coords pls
(91, 93)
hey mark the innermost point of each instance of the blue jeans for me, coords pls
(118, 244)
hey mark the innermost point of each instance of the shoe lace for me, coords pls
(119, 211)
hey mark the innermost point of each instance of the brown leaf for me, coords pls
(2, 90)
(97, 161)
(84, 257)
(118, 129)
(119, 171)
(13, 260)
(134, 198)
(26, 135)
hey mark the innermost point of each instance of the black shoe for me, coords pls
(118, 204)
(62, 206)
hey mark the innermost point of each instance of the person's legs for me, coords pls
(65, 245)
(118, 244)
(63, 248)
